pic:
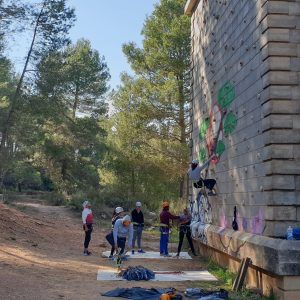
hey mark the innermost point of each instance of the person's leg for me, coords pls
(189, 238)
(139, 237)
(167, 243)
(209, 183)
(161, 242)
(121, 244)
(198, 184)
(135, 233)
(88, 235)
(181, 237)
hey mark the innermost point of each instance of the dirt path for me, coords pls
(41, 256)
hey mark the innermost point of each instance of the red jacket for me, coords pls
(166, 216)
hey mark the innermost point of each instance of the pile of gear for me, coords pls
(200, 294)
(137, 273)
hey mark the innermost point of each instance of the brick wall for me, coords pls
(245, 65)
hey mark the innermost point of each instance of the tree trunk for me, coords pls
(182, 126)
(9, 119)
(133, 182)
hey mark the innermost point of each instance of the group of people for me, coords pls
(124, 228)
(129, 228)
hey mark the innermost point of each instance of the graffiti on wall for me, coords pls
(219, 124)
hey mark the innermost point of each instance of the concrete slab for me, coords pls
(151, 255)
(111, 275)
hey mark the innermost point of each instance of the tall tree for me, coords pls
(163, 64)
(50, 27)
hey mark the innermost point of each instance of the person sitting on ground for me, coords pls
(117, 214)
(194, 173)
(137, 217)
(123, 229)
(184, 229)
(87, 220)
(165, 218)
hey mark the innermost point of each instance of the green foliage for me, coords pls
(55, 199)
(221, 273)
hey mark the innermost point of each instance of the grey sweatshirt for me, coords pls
(195, 174)
(121, 231)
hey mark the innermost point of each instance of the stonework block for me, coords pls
(278, 152)
(279, 182)
(279, 49)
(284, 167)
(281, 107)
(276, 35)
(277, 121)
(284, 136)
(279, 77)
(281, 213)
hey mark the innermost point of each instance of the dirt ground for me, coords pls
(41, 256)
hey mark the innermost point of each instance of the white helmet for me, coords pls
(126, 218)
(138, 204)
(119, 210)
(195, 161)
(85, 203)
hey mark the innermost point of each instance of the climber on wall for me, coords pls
(194, 173)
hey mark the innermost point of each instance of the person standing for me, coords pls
(137, 218)
(123, 229)
(184, 229)
(87, 220)
(165, 218)
(117, 214)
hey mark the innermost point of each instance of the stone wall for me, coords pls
(245, 65)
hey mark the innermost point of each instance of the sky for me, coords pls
(107, 24)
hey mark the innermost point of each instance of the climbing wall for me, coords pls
(245, 66)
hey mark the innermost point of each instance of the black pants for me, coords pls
(121, 242)
(208, 183)
(88, 236)
(185, 230)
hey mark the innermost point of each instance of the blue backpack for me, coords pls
(296, 233)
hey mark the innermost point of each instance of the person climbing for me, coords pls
(194, 173)
(117, 214)
(137, 217)
(87, 219)
(165, 217)
(184, 229)
(123, 229)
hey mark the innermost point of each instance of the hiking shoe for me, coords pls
(167, 255)
(111, 257)
(141, 251)
(161, 254)
(87, 253)
(211, 193)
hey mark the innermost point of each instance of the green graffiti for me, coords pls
(226, 95)
(203, 129)
(229, 123)
(202, 155)
(220, 148)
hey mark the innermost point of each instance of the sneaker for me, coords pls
(111, 257)
(211, 193)
(87, 253)
(167, 255)
(141, 251)
(161, 254)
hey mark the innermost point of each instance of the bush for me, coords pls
(55, 199)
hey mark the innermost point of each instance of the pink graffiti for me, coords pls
(258, 223)
(223, 220)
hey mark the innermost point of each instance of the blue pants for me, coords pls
(164, 240)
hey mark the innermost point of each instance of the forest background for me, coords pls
(64, 132)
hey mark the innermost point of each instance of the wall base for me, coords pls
(285, 285)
